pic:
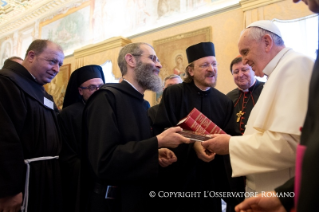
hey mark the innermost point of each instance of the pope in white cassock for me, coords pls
(266, 153)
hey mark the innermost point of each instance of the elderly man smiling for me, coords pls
(265, 154)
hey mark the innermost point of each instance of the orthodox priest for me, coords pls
(247, 92)
(120, 156)
(29, 140)
(82, 84)
(196, 169)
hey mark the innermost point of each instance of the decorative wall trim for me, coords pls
(28, 17)
(225, 9)
(253, 4)
(110, 43)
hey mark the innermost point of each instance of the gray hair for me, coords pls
(257, 33)
(132, 48)
(172, 76)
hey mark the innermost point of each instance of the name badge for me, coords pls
(48, 103)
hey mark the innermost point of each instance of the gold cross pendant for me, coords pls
(239, 115)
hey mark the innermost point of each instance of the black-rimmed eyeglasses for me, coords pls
(92, 87)
(154, 58)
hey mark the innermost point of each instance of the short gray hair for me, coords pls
(257, 33)
(172, 76)
(132, 48)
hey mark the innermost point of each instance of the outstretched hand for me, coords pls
(218, 144)
(171, 139)
(202, 153)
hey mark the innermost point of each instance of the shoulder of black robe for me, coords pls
(234, 94)
(257, 89)
(23, 79)
(308, 197)
(118, 147)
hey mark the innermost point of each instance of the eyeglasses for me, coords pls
(92, 87)
(207, 65)
(154, 58)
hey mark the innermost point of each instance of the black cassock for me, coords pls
(190, 174)
(308, 197)
(152, 113)
(28, 130)
(244, 102)
(118, 150)
(70, 121)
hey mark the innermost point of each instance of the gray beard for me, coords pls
(146, 78)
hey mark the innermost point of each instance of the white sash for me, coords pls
(24, 207)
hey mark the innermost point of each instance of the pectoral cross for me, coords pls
(239, 115)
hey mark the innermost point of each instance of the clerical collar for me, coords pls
(130, 84)
(246, 90)
(270, 67)
(201, 89)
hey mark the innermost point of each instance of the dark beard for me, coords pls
(146, 78)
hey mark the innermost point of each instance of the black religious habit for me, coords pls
(29, 130)
(118, 150)
(70, 121)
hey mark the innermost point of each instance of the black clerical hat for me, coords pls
(200, 50)
(78, 77)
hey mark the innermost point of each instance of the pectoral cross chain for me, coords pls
(239, 115)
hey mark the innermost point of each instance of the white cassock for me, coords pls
(266, 153)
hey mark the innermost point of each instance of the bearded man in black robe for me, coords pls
(82, 84)
(196, 169)
(29, 139)
(120, 156)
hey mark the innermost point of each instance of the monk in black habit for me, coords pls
(120, 155)
(82, 84)
(29, 132)
(196, 169)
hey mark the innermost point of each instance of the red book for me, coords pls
(198, 122)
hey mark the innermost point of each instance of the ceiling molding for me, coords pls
(252, 4)
(101, 46)
(27, 12)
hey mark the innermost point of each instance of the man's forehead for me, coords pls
(93, 81)
(240, 65)
(147, 49)
(206, 59)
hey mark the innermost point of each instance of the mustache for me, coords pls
(156, 69)
(211, 74)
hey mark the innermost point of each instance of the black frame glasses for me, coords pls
(154, 58)
(92, 87)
